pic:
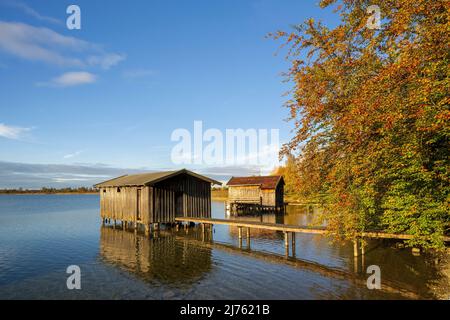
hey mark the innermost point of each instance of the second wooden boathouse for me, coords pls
(257, 192)
(156, 197)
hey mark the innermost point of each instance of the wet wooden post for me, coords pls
(248, 237)
(286, 243)
(203, 231)
(147, 230)
(240, 236)
(363, 257)
(356, 254)
(211, 231)
(293, 243)
(114, 225)
(286, 239)
(124, 225)
(356, 247)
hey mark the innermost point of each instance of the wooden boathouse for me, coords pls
(156, 197)
(257, 192)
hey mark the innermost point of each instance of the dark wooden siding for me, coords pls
(195, 193)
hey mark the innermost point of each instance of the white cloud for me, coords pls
(30, 11)
(72, 155)
(45, 45)
(70, 79)
(12, 132)
(106, 61)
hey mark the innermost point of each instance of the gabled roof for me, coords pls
(266, 182)
(148, 179)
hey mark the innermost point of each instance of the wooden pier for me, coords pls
(290, 230)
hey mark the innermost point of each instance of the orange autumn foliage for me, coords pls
(370, 110)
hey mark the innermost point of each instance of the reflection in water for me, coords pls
(41, 235)
(163, 258)
(401, 270)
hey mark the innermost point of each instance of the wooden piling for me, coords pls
(240, 233)
(356, 247)
(293, 243)
(286, 239)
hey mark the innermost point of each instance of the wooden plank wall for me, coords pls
(196, 200)
(247, 194)
(123, 205)
(268, 197)
(253, 194)
(164, 209)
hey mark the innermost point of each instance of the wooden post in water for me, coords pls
(356, 247)
(293, 243)
(286, 240)
(240, 237)
(286, 244)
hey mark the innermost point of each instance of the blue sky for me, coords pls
(111, 94)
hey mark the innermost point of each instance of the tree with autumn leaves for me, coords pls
(370, 110)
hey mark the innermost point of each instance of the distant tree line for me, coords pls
(46, 190)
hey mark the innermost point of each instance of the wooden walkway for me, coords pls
(292, 229)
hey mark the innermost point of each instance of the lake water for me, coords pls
(41, 235)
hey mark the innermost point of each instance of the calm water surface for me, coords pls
(41, 235)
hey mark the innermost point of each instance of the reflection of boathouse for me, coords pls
(157, 197)
(166, 258)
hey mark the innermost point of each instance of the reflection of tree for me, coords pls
(164, 258)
